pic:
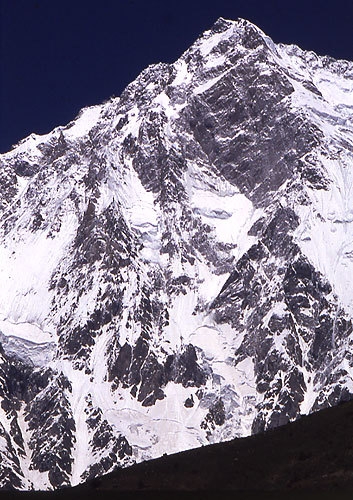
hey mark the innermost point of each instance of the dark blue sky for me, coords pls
(58, 56)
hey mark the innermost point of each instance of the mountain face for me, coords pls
(176, 263)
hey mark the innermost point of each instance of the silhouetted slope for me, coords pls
(309, 458)
(315, 452)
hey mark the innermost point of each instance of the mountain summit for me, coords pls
(176, 263)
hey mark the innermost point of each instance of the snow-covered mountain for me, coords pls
(176, 263)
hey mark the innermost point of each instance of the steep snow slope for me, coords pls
(175, 263)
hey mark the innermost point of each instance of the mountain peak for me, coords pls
(176, 262)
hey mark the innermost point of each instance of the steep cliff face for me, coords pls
(175, 263)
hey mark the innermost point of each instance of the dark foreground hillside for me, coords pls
(313, 453)
(310, 458)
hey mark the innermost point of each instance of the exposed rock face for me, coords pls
(176, 263)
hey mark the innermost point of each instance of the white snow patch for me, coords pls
(230, 214)
(35, 479)
(183, 76)
(24, 294)
(213, 62)
(133, 125)
(279, 310)
(209, 40)
(166, 427)
(246, 383)
(23, 330)
(310, 394)
(81, 386)
(139, 209)
(326, 234)
(336, 90)
(162, 101)
(209, 284)
(176, 333)
(207, 85)
(85, 121)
